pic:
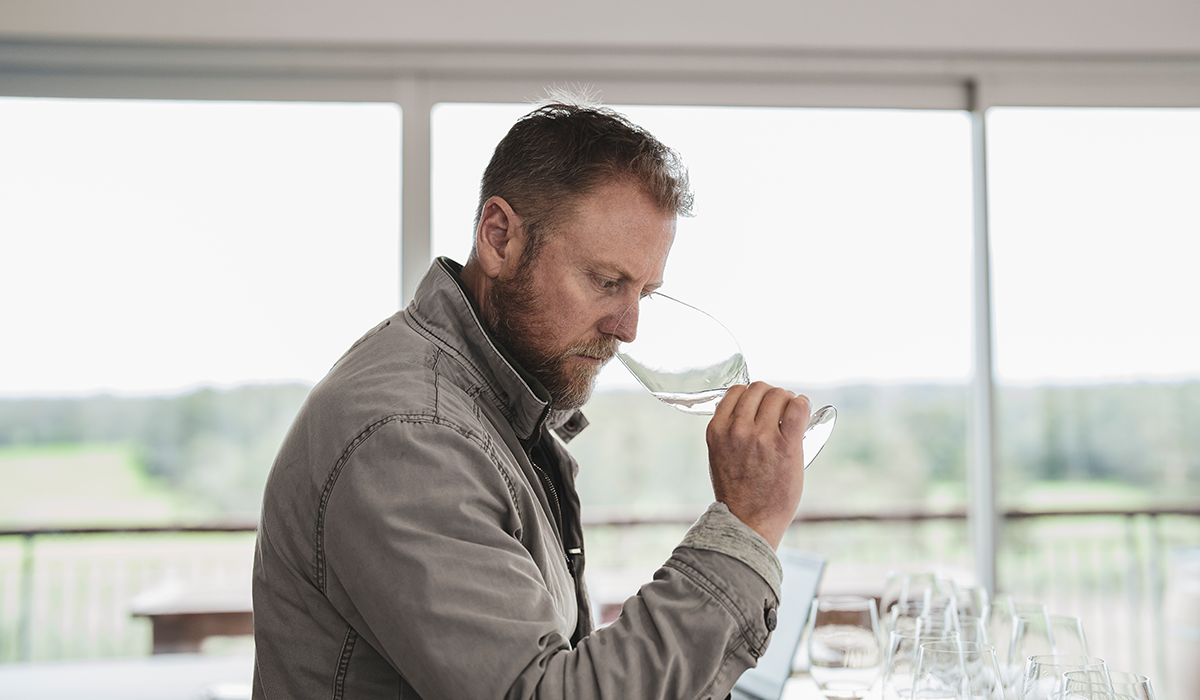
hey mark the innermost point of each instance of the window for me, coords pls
(835, 244)
(175, 276)
(1094, 233)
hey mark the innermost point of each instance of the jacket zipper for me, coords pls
(558, 521)
(549, 484)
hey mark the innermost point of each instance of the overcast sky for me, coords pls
(152, 247)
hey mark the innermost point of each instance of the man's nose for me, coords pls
(625, 328)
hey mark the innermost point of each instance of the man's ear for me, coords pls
(499, 238)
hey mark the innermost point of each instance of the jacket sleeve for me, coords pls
(422, 543)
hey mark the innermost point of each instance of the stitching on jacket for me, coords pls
(482, 385)
(485, 445)
(725, 601)
(343, 667)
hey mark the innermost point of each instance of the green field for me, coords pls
(88, 484)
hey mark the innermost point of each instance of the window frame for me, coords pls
(418, 79)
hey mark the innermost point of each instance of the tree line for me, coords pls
(893, 445)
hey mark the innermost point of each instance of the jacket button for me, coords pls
(772, 619)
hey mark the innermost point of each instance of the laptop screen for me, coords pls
(801, 575)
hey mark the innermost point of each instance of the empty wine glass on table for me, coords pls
(1067, 632)
(1000, 631)
(954, 670)
(687, 359)
(900, 659)
(844, 653)
(1043, 673)
(972, 600)
(973, 629)
(939, 611)
(1120, 685)
(1032, 635)
(903, 588)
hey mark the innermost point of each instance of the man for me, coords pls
(420, 533)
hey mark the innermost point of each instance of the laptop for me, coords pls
(801, 575)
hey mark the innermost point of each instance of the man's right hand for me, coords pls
(756, 458)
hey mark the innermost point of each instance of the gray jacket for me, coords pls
(410, 548)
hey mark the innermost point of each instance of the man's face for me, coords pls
(564, 314)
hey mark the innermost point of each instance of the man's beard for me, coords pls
(512, 317)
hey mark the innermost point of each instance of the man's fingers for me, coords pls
(746, 407)
(725, 406)
(773, 405)
(795, 416)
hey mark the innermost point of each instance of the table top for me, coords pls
(160, 677)
(178, 677)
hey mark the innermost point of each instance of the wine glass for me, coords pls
(900, 661)
(973, 629)
(1000, 630)
(972, 600)
(687, 359)
(844, 653)
(905, 587)
(1068, 636)
(955, 670)
(1032, 634)
(1121, 685)
(1043, 673)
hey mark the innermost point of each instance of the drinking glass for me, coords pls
(687, 359)
(900, 660)
(1122, 685)
(906, 618)
(954, 670)
(844, 653)
(1000, 631)
(1068, 636)
(1044, 672)
(973, 629)
(971, 600)
(902, 587)
(1032, 634)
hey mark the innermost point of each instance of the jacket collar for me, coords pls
(444, 308)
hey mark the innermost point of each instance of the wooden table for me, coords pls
(181, 619)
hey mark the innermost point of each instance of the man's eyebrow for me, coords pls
(618, 272)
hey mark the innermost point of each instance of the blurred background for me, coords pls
(972, 227)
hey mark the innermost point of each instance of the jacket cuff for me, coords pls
(718, 530)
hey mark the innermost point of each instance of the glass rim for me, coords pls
(1066, 660)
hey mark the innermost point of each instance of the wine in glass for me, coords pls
(688, 359)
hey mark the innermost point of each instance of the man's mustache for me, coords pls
(600, 348)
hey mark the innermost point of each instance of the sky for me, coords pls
(152, 247)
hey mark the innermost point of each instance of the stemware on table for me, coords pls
(1066, 631)
(844, 647)
(1043, 673)
(1120, 685)
(900, 659)
(954, 670)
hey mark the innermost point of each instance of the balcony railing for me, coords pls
(66, 593)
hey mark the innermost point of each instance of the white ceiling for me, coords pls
(1150, 28)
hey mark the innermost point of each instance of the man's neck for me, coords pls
(475, 282)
